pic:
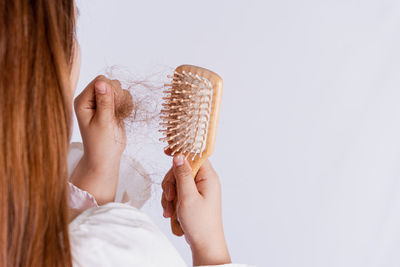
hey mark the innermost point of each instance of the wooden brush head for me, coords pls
(190, 113)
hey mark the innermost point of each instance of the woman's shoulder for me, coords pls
(118, 234)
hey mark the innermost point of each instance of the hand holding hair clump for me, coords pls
(101, 109)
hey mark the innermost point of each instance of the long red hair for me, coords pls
(36, 51)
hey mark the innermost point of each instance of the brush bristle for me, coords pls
(186, 114)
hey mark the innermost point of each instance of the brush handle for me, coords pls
(175, 225)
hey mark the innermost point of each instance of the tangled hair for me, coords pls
(123, 105)
(142, 122)
(36, 51)
(140, 103)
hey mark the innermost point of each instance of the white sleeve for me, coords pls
(79, 199)
(118, 234)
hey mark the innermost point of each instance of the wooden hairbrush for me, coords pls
(190, 117)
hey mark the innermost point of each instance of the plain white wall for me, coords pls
(308, 148)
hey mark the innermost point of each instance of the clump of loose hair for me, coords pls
(139, 103)
(124, 104)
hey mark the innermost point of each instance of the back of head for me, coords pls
(36, 47)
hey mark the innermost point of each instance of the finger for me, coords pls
(85, 102)
(116, 84)
(117, 89)
(169, 211)
(168, 185)
(206, 170)
(167, 207)
(164, 205)
(207, 180)
(171, 193)
(168, 179)
(185, 184)
(163, 201)
(104, 101)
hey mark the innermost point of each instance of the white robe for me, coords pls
(118, 234)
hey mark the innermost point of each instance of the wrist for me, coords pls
(100, 164)
(211, 252)
(98, 178)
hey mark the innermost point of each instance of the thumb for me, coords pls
(185, 183)
(104, 101)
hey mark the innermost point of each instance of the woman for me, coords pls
(40, 61)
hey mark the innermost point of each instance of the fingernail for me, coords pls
(179, 160)
(101, 88)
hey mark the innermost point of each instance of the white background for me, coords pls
(308, 148)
